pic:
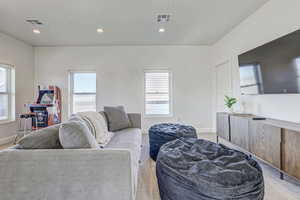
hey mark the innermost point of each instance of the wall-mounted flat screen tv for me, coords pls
(273, 68)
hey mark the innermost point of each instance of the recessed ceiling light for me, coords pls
(100, 30)
(36, 31)
(161, 30)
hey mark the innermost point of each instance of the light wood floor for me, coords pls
(275, 188)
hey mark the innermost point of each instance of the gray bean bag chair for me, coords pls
(160, 134)
(191, 169)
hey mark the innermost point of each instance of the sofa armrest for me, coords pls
(66, 174)
(135, 119)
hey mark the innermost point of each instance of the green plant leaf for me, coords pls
(229, 101)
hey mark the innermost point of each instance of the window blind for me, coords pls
(157, 93)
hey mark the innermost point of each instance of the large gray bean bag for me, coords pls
(160, 134)
(194, 169)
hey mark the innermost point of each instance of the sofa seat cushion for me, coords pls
(130, 138)
(130, 135)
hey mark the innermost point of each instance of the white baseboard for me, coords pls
(205, 130)
(7, 140)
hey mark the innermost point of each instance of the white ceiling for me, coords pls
(125, 22)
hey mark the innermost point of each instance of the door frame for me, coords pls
(215, 83)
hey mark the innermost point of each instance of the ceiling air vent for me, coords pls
(34, 22)
(163, 18)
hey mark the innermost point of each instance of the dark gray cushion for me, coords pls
(117, 118)
(75, 134)
(46, 138)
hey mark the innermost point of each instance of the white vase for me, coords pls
(231, 110)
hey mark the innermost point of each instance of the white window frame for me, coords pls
(71, 87)
(159, 70)
(10, 92)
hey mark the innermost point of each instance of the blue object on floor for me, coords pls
(201, 170)
(160, 134)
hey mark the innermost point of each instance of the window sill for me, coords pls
(3, 122)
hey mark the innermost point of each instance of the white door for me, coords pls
(223, 85)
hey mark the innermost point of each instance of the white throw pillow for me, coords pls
(98, 125)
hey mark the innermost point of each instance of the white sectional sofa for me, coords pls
(74, 174)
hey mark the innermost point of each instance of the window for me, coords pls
(83, 91)
(7, 92)
(158, 93)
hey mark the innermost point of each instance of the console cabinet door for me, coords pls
(223, 126)
(239, 127)
(291, 152)
(264, 142)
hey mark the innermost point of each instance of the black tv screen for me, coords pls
(273, 68)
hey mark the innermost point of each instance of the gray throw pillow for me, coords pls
(117, 118)
(46, 138)
(75, 134)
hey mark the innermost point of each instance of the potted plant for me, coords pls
(229, 102)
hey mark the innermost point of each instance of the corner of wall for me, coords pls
(35, 70)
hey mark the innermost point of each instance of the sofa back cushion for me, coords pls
(98, 126)
(75, 134)
(46, 138)
(117, 118)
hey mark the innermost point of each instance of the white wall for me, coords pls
(120, 77)
(275, 19)
(20, 55)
